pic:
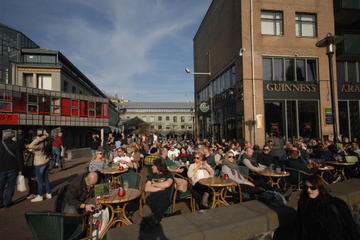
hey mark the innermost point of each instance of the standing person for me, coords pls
(11, 164)
(322, 216)
(56, 148)
(94, 143)
(41, 162)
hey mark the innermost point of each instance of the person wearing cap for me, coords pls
(11, 163)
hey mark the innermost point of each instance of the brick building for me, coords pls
(268, 79)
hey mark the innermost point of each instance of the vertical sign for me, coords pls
(328, 116)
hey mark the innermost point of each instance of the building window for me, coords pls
(32, 106)
(167, 118)
(182, 127)
(305, 25)
(271, 23)
(167, 127)
(289, 69)
(159, 118)
(55, 106)
(75, 108)
(190, 118)
(44, 81)
(66, 86)
(152, 127)
(5, 101)
(73, 89)
(182, 119)
(91, 109)
(160, 127)
(143, 118)
(175, 119)
(28, 80)
(348, 71)
(152, 119)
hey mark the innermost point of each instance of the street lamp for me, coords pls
(187, 70)
(329, 42)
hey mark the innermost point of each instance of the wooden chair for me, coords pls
(184, 195)
(298, 176)
(134, 181)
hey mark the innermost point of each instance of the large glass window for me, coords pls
(340, 71)
(291, 119)
(296, 69)
(271, 22)
(352, 72)
(354, 118)
(29, 80)
(19, 102)
(300, 117)
(343, 118)
(274, 119)
(44, 81)
(308, 119)
(305, 25)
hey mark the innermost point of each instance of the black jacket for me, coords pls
(77, 192)
(8, 162)
(94, 143)
(331, 220)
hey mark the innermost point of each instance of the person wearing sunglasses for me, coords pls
(98, 163)
(199, 170)
(265, 157)
(322, 216)
(122, 159)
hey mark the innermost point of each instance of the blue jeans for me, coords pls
(42, 173)
(8, 177)
(57, 152)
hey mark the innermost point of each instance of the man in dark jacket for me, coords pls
(94, 143)
(11, 162)
(79, 195)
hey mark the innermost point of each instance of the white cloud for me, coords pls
(114, 52)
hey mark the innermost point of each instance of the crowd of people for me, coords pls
(196, 160)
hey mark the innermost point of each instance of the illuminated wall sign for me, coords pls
(8, 118)
(5, 106)
(290, 90)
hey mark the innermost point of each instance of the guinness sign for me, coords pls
(290, 90)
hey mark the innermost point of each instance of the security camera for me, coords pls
(187, 70)
(242, 50)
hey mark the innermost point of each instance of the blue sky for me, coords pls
(137, 48)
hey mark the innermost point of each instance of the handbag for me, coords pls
(100, 221)
(180, 184)
(20, 183)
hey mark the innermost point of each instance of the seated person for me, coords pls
(159, 186)
(98, 163)
(148, 160)
(79, 196)
(197, 171)
(169, 163)
(232, 170)
(122, 159)
(265, 157)
(249, 161)
(294, 162)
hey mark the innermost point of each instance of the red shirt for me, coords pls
(57, 142)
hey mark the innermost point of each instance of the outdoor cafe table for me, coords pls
(340, 168)
(271, 174)
(120, 204)
(218, 187)
(114, 173)
(322, 171)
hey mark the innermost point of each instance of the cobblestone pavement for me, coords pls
(13, 225)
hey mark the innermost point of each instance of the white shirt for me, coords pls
(117, 160)
(171, 154)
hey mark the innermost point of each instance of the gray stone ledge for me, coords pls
(240, 221)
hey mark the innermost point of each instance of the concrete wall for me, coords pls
(248, 220)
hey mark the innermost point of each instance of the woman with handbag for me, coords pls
(40, 148)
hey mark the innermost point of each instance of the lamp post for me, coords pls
(329, 42)
(187, 70)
